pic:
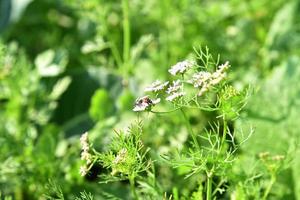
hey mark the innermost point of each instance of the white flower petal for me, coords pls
(156, 86)
(181, 67)
(174, 96)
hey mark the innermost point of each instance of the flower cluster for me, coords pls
(205, 80)
(265, 156)
(119, 162)
(202, 80)
(121, 156)
(156, 86)
(175, 91)
(85, 155)
(181, 67)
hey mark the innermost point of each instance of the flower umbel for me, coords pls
(85, 154)
(174, 96)
(175, 91)
(156, 86)
(145, 104)
(83, 170)
(205, 80)
(84, 141)
(181, 67)
(175, 87)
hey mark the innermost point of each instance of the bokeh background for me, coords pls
(65, 68)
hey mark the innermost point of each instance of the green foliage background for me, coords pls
(65, 69)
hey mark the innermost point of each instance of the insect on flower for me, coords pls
(144, 103)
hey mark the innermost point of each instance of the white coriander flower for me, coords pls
(121, 156)
(217, 77)
(223, 67)
(201, 78)
(175, 95)
(144, 103)
(83, 170)
(84, 141)
(220, 73)
(156, 86)
(174, 91)
(176, 86)
(204, 80)
(86, 156)
(181, 67)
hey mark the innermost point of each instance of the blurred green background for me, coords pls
(69, 66)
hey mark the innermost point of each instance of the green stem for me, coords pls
(209, 186)
(132, 187)
(188, 125)
(126, 32)
(224, 132)
(273, 179)
(116, 54)
(181, 107)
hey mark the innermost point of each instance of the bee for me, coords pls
(143, 103)
(144, 100)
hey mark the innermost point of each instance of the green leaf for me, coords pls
(101, 105)
(125, 100)
(274, 114)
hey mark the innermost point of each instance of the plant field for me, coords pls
(157, 99)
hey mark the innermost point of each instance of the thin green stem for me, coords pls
(217, 187)
(271, 183)
(188, 125)
(224, 132)
(181, 107)
(126, 33)
(165, 112)
(116, 54)
(132, 187)
(209, 186)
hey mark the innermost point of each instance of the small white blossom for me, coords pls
(201, 78)
(204, 80)
(84, 141)
(175, 95)
(174, 91)
(220, 73)
(121, 156)
(86, 156)
(175, 87)
(83, 170)
(181, 67)
(144, 103)
(217, 77)
(156, 86)
(223, 67)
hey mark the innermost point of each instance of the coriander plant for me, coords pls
(197, 84)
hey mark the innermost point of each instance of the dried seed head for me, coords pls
(278, 157)
(264, 155)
